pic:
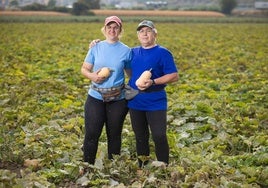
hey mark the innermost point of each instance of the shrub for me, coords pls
(227, 6)
(80, 9)
(35, 7)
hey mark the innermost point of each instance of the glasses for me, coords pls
(142, 31)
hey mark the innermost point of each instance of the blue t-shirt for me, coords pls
(115, 56)
(161, 62)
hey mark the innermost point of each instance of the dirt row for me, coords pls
(158, 13)
(163, 13)
(119, 13)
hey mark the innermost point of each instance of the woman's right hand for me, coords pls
(86, 70)
(96, 78)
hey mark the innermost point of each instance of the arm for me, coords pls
(168, 78)
(86, 71)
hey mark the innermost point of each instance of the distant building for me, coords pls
(245, 4)
(251, 4)
(156, 4)
(125, 4)
(261, 4)
(196, 3)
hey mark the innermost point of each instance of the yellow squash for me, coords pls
(104, 72)
(146, 75)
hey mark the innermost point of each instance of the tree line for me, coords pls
(83, 7)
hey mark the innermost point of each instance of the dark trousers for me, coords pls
(98, 113)
(157, 122)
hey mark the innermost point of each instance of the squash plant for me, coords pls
(217, 111)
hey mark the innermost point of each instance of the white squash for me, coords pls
(146, 75)
(104, 72)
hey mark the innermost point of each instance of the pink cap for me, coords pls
(113, 19)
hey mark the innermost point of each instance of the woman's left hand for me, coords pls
(145, 84)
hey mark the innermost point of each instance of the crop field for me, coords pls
(165, 16)
(217, 115)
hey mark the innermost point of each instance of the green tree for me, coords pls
(14, 4)
(91, 4)
(227, 6)
(51, 4)
(80, 9)
(34, 7)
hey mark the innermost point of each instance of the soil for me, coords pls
(118, 12)
(13, 167)
(254, 13)
(158, 13)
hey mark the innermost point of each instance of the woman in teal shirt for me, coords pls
(106, 104)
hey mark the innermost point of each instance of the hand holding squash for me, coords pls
(143, 81)
(104, 72)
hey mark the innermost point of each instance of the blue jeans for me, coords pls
(97, 114)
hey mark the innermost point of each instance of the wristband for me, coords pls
(153, 82)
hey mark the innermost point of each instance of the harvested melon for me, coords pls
(104, 72)
(146, 75)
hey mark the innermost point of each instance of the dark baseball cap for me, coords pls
(145, 23)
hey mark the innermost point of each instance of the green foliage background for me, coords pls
(217, 117)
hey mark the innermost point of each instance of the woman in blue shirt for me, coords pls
(106, 103)
(148, 109)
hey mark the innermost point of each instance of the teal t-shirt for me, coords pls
(115, 56)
